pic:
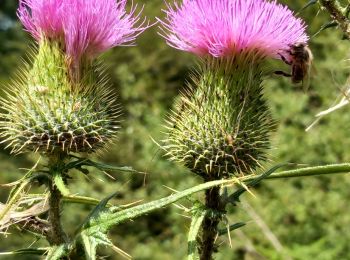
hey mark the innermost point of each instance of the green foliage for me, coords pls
(231, 228)
(93, 232)
(196, 223)
(105, 221)
(57, 252)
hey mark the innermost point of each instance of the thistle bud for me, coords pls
(222, 125)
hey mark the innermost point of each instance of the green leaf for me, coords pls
(347, 10)
(230, 228)
(327, 25)
(311, 2)
(196, 223)
(57, 252)
(90, 245)
(101, 166)
(94, 238)
(91, 241)
(251, 183)
(95, 213)
(93, 231)
(111, 219)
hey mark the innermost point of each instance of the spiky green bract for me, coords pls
(222, 125)
(49, 110)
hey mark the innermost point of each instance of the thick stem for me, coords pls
(334, 9)
(210, 223)
(56, 235)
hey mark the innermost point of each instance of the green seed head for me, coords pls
(221, 127)
(54, 109)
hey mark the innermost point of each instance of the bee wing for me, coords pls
(307, 75)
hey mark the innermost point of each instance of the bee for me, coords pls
(300, 61)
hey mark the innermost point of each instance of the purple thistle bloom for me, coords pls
(225, 27)
(42, 17)
(88, 27)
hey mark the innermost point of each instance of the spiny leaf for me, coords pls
(57, 252)
(90, 245)
(196, 223)
(224, 231)
(91, 241)
(101, 207)
(235, 196)
(111, 219)
(103, 167)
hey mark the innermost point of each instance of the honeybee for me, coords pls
(300, 61)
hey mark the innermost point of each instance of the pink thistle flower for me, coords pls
(226, 27)
(42, 17)
(88, 27)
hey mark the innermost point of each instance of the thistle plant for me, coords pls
(221, 125)
(61, 105)
(62, 108)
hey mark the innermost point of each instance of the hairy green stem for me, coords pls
(214, 203)
(57, 235)
(335, 10)
(210, 223)
(307, 171)
(139, 210)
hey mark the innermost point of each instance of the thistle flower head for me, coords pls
(225, 27)
(61, 103)
(44, 111)
(86, 27)
(222, 125)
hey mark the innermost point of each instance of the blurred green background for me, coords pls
(304, 218)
